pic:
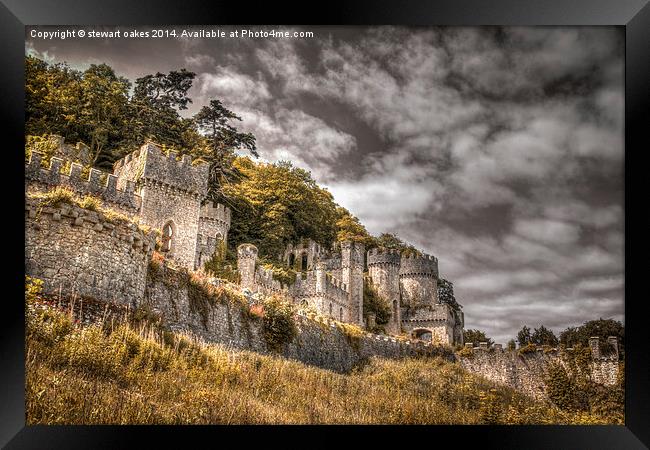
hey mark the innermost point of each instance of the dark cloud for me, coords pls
(499, 150)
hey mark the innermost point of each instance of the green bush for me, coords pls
(279, 327)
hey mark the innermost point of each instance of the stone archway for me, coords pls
(422, 334)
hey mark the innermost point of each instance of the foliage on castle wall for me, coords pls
(319, 342)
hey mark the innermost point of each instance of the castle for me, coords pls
(84, 252)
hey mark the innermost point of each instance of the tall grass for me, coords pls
(123, 374)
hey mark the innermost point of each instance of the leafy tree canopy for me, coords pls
(603, 328)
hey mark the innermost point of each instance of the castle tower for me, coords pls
(418, 277)
(352, 255)
(246, 260)
(171, 192)
(383, 268)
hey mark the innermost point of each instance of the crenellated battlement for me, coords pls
(97, 183)
(378, 256)
(150, 164)
(425, 265)
(219, 213)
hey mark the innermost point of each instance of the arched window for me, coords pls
(292, 260)
(330, 310)
(303, 265)
(341, 314)
(395, 310)
(168, 232)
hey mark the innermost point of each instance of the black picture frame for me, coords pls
(633, 15)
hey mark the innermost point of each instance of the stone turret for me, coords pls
(352, 262)
(419, 280)
(383, 268)
(246, 260)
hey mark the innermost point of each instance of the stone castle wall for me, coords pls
(96, 183)
(214, 223)
(77, 251)
(526, 372)
(318, 343)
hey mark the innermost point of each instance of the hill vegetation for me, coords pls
(128, 372)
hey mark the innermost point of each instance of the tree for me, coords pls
(446, 293)
(543, 336)
(53, 99)
(511, 344)
(103, 108)
(222, 140)
(476, 336)
(524, 336)
(373, 303)
(349, 228)
(603, 328)
(277, 204)
(154, 110)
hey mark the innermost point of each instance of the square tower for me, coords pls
(171, 190)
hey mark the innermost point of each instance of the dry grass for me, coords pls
(106, 374)
(62, 195)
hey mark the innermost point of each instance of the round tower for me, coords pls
(246, 260)
(418, 278)
(383, 268)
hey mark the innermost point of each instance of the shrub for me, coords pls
(466, 352)
(33, 288)
(490, 407)
(279, 327)
(56, 196)
(91, 203)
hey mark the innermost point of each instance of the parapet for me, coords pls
(150, 164)
(219, 212)
(419, 265)
(378, 256)
(97, 183)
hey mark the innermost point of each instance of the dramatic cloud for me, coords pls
(499, 150)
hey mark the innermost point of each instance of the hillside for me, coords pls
(119, 373)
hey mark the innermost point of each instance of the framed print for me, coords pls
(417, 217)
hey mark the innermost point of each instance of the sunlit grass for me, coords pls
(125, 374)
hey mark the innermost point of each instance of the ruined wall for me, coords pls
(526, 372)
(76, 250)
(319, 343)
(313, 251)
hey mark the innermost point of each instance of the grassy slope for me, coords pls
(104, 374)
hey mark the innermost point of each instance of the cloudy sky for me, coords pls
(499, 150)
